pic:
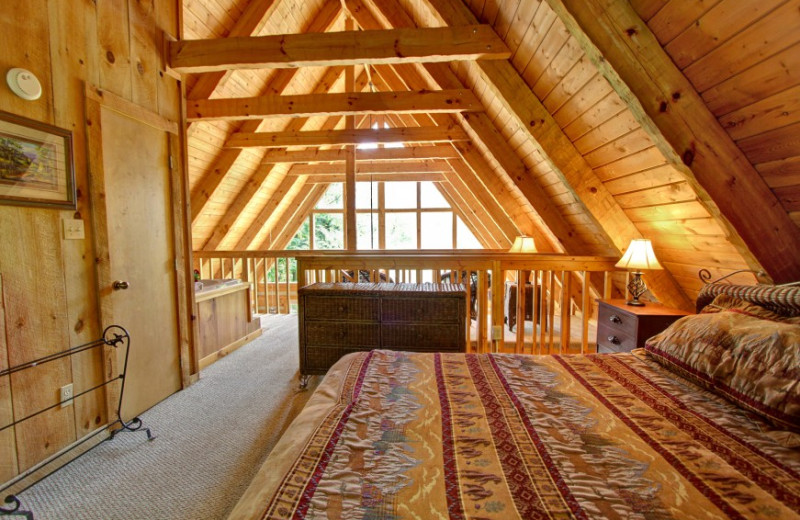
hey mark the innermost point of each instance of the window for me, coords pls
(401, 230)
(401, 195)
(328, 231)
(437, 230)
(430, 197)
(464, 237)
(366, 235)
(333, 198)
(397, 223)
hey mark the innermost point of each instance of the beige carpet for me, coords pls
(211, 438)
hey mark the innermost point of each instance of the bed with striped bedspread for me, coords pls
(390, 435)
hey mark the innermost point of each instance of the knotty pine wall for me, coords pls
(47, 285)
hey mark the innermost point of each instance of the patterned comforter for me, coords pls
(392, 435)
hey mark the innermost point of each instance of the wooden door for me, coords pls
(133, 218)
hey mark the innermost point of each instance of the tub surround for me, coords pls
(225, 318)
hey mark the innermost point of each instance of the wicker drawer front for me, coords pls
(418, 337)
(421, 309)
(342, 308)
(365, 335)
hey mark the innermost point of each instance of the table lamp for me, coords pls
(639, 256)
(523, 244)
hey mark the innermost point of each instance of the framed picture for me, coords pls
(35, 164)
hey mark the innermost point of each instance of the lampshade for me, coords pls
(523, 244)
(639, 255)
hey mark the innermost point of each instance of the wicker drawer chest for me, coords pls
(338, 318)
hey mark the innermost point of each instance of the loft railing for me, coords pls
(553, 315)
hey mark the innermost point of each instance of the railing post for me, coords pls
(497, 305)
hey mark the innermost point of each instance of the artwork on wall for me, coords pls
(35, 164)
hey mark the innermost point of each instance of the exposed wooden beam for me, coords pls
(430, 134)
(672, 112)
(204, 189)
(251, 19)
(260, 175)
(435, 44)
(559, 233)
(386, 176)
(479, 203)
(315, 155)
(372, 167)
(560, 152)
(272, 204)
(462, 178)
(471, 215)
(348, 103)
(287, 226)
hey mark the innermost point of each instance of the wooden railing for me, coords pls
(563, 289)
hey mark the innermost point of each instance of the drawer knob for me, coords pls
(342, 308)
(614, 340)
(614, 319)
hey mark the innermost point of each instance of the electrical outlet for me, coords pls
(73, 229)
(66, 395)
(497, 332)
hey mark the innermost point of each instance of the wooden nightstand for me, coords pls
(622, 328)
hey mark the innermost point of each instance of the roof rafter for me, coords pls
(211, 179)
(258, 178)
(560, 152)
(252, 18)
(558, 233)
(408, 45)
(669, 108)
(286, 227)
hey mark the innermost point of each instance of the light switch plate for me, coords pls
(73, 229)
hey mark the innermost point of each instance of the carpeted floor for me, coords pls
(211, 438)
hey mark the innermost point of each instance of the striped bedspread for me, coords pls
(392, 435)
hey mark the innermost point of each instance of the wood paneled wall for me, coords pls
(744, 60)
(48, 296)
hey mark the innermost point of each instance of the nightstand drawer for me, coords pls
(616, 341)
(611, 319)
(622, 328)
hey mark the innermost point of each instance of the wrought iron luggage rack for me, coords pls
(113, 336)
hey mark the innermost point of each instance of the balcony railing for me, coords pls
(553, 315)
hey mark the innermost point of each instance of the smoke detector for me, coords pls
(24, 83)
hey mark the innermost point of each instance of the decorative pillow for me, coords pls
(740, 350)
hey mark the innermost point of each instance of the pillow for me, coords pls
(747, 353)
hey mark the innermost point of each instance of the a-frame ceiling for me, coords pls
(584, 123)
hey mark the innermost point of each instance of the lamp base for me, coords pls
(635, 303)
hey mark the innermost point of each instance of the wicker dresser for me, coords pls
(339, 318)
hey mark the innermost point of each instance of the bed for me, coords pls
(701, 423)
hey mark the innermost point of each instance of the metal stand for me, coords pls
(304, 381)
(113, 336)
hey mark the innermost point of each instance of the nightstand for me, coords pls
(622, 328)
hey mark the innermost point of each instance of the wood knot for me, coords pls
(688, 157)
(662, 107)
(676, 96)
(110, 57)
(139, 67)
(593, 190)
(630, 31)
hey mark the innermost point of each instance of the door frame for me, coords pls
(98, 100)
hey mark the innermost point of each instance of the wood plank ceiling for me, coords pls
(584, 123)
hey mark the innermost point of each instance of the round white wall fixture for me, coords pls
(24, 83)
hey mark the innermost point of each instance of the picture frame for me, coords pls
(36, 164)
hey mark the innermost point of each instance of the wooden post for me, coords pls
(350, 162)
